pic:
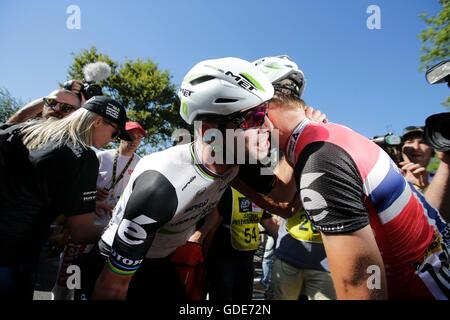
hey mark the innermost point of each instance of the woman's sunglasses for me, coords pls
(116, 132)
(63, 107)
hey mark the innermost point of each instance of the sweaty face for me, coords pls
(416, 150)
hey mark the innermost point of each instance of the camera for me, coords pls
(392, 144)
(88, 89)
(439, 73)
(437, 131)
(437, 126)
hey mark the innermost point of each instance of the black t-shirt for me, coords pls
(222, 239)
(35, 188)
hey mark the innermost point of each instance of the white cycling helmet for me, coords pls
(222, 87)
(283, 73)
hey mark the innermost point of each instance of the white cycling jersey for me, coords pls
(168, 193)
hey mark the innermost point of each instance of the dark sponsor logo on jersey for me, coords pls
(190, 180)
(123, 260)
(196, 206)
(245, 205)
(200, 192)
(197, 217)
(186, 92)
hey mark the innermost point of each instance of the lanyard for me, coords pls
(115, 181)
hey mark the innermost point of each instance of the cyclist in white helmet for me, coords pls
(170, 191)
(284, 74)
(277, 194)
(274, 194)
(367, 213)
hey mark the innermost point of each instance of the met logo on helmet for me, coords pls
(246, 81)
(186, 92)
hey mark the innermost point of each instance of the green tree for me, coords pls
(144, 89)
(436, 39)
(8, 105)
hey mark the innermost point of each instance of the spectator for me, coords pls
(416, 154)
(230, 258)
(116, 166)
(58, 104)
(118, 163)
(48, 168)
(435, 186)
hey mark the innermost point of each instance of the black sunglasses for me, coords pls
(116, 133)
(63, 107)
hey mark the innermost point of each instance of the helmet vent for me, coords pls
(225, 100)
(201, 80)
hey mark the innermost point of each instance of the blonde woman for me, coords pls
(48, 168)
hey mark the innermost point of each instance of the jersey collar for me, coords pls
(201, 168)
(293, 140)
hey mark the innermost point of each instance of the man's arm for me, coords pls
(279, 196)
(332, 193)
(82, 228)
(28, 111)
(282, 208)
(211, 221)
(438, 192)
(111, 286)
(152, 204)
(271, 226)
(356, 265)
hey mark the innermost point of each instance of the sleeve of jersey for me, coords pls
(331, 189)
(153, 203)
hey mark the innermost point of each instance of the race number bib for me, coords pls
(301, 228)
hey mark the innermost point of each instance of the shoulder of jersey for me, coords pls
(168, 159)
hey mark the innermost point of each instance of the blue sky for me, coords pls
(365, 79)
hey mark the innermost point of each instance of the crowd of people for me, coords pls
(348, 222)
